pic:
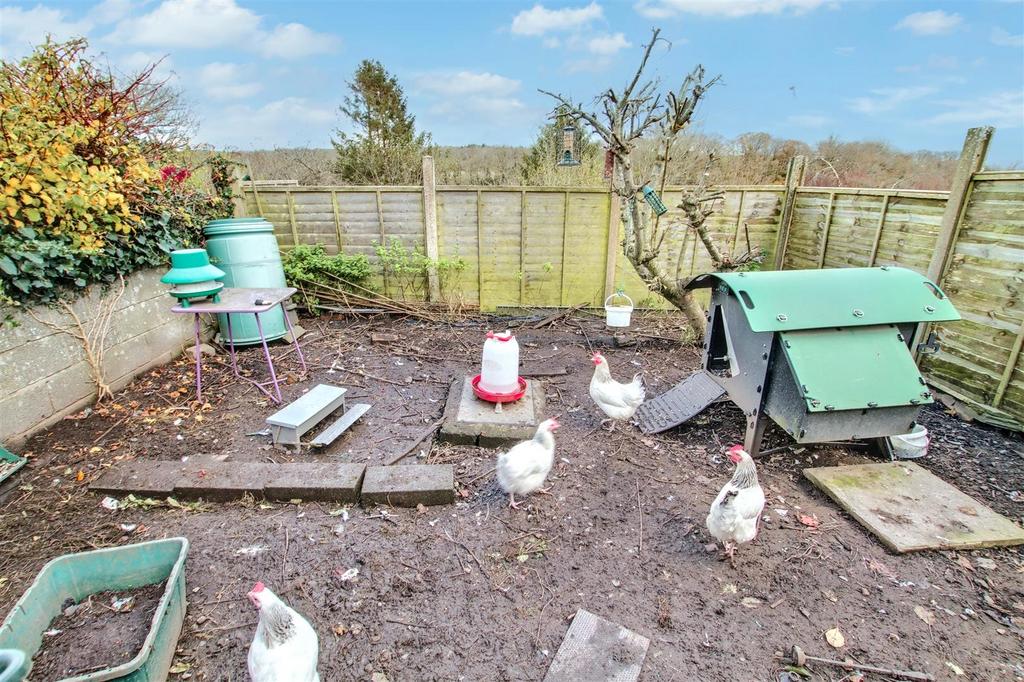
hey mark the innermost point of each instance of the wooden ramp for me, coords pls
(910, 508)
(597, 650)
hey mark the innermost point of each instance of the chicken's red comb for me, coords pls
(258, 587)
(735, 448)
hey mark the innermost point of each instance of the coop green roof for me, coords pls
(844, 297)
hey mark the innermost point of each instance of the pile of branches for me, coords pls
(342, 296)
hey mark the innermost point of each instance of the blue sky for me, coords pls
(259, 74)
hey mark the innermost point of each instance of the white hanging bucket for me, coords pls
(911, 445)
(617, 315)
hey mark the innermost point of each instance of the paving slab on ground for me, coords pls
(909, 508)
(596, 650)
(409, 485)
(471, 421)
(222, 481)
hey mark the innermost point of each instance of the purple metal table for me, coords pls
(242, 302)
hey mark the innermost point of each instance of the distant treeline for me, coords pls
(750, 159)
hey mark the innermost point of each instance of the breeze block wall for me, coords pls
(43, 373)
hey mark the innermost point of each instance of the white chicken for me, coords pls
(735, 513)
(285, 647)
(617, 400)
(525, 467)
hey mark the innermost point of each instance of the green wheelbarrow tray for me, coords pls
(76, 576)
(9, 463)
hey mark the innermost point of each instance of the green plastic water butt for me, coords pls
(76, 576)
(246, 250)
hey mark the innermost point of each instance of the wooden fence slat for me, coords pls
(878, 231)
(479, 250)
(291, 220)
(565, 229)
(1011, 364)
(828, 226)
(337, 221)
(522, 247)
(430, 229)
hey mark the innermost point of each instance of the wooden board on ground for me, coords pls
(596, 650)
(910, 508)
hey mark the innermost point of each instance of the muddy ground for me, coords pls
(477, 591)
(102, 631)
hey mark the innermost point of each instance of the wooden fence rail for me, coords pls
(555, 246)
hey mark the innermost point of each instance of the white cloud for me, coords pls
(845, 51)
(934, 23)
(292, 41)
(809, 120)
(292, 121)
(212, 23)
(608, 44)
(224, 80)
(731, 9)
(459, 83)
(887, 99)
(539, 20)
(21, 29)
(1002, 109)
(1004, 38)
(109, 11)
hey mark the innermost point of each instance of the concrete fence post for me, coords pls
(430, 228)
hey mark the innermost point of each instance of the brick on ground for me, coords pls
(409, 485)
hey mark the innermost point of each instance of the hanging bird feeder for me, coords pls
(569, 156)
(192, 276)
(652, 198)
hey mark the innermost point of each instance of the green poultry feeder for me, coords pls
(192, 276)
(246, 249)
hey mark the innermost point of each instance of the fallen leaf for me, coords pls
(957, 670)
(925, 614)
(808, 520)
(985, 563)
(751, 602)
(835, 638)
(180, 667)
(80, 476)
(728, 588)
(420, 509)
(339, 629)
(876, 566)
(964, 562)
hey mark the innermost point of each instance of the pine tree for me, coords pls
(385, 148)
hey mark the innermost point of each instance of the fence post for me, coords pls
(972, 159)
(794, 178)
(614, 219)
(430, 228)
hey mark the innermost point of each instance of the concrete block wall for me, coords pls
(43, 373)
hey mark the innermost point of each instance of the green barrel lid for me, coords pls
(237, 226)
(189, 266)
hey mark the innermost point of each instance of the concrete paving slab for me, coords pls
(471, 421)
(217, 481)
(409, 485)
(598, 650)
(909, 508)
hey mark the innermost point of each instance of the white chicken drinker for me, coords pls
(499, 373)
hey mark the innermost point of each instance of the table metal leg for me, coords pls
(199, 361)
(270, 361)
(231, 345)
(295, 339)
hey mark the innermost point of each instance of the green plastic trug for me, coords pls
(189, 266)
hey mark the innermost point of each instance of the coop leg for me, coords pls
(755, 432)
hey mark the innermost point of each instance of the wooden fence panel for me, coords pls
(980, 360)
(585, 248)
(500, 248)
(457, 238)
(544, 224)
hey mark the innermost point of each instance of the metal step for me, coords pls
(681, 403)
(331, 433)
(289, 423)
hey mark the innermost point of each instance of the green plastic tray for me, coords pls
(76, 576)
(9, 458)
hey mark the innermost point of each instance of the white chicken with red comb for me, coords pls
(525, 467)
(735, 513)
(285, 647)
(617, 400)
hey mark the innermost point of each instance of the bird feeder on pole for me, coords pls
(569, 156)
